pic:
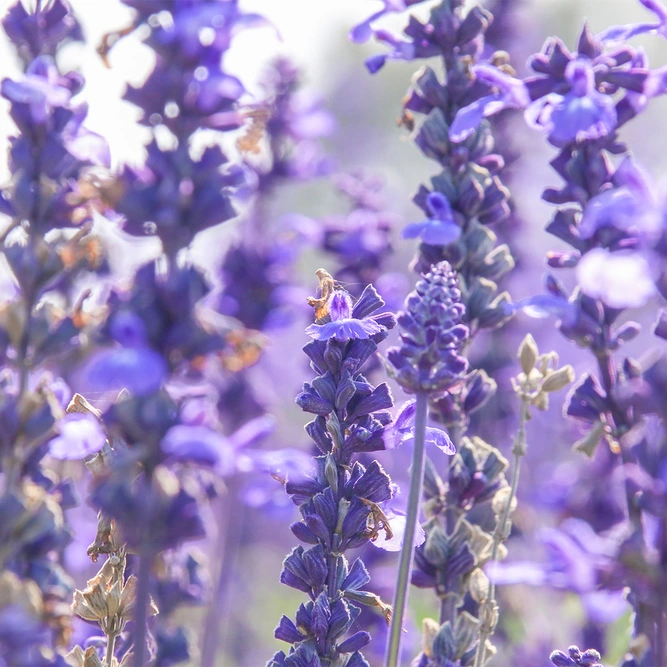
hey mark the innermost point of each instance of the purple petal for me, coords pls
(80, 436)
(439, 438)
(433, 232)
(253, 431)
(344, 330)
(397, 523)
(140, 370)
(199, 444)
(468, 118)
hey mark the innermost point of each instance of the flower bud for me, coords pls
(558, 379)
(528, 353)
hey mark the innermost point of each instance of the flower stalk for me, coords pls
(407, 550)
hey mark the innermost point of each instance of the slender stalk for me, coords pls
(407, 551)
(228, 542)
(143, 582)
(141, 609)
(519, 450)
(111, 645)
(660, 648)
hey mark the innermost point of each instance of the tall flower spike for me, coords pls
(427, 364)
(342, 503)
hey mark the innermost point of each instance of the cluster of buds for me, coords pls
(540, 375)
(108, 599)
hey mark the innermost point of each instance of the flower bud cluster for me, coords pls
(432, 335)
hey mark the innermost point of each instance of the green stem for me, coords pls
(487, 626)
(111, 644)
(143, 579)
(407, 551)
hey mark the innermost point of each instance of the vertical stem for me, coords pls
(143, 577)
(231, 522)
(660, 648)
(111, 644)
(518, 450)
(407, 551)
(141, 609)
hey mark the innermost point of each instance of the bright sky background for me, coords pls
(313, 34)
(307, 28)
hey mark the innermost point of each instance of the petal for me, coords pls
(439, 232)
(140, 370)
(440, 439)
(414, 230)
(80, 436)
(199, 444)
(397, 524)
(468, 118)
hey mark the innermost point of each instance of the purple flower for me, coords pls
(41, 90)
(363, 31)
(80, 435)
(582, 114)
(576, 658)
(43, 31)
(134, 366)
(511, 94)
(346, 324)
(440, 228)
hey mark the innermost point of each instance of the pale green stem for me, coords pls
(111, 644)
(519, 450)
(407, 551)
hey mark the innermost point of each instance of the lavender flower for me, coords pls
(341, 504)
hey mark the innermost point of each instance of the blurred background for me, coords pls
(313, 34)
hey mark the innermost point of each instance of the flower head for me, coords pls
(432, 335)
(345, 321)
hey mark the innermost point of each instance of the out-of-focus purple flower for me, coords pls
(440, 228)
(176, 196)
(581, 114)
(43, 31)
(621, 280)
(511, 94)
(80, 435)
(40, 90)
(577, 559)
(204, 445)
(361, 238)
(198, 444)
(622, 33)
(363, 31)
